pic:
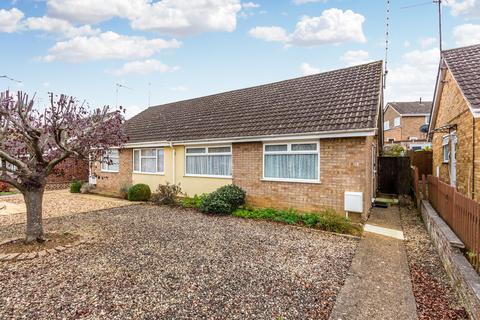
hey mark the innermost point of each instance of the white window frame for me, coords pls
(427, 119)
(446, 144)
(386, 125)
(397, 122)
(391, 140)
(108, 170)
(207, 147)
(148, 157)
(289, 151)
(412, 138)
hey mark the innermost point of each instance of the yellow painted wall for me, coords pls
(189, 185)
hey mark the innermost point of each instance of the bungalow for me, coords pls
(308, 143)
(455, 128)
(403, 123)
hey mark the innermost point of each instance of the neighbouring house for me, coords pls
(406, 123)
(455, 128)
(301, 143)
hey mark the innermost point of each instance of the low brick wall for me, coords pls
(463, 277)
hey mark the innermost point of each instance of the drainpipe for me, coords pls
(473, 159)
(173, 165)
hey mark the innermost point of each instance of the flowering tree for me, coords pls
(34, 142)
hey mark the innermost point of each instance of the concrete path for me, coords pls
(378, 285)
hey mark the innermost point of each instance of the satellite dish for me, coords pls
(424, 128)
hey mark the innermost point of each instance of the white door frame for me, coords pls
(453, 159)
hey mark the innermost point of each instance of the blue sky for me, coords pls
(190, 48)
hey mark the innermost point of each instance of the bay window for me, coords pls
(208, 161)
(111, 161)
(292, 162)
(149, 160)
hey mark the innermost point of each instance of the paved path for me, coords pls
(379, 285)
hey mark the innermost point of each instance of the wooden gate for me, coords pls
(394, 175)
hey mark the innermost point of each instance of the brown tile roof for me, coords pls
(414, 107)
(464, 63)
(344, 99)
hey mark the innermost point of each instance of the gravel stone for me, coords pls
(433, 293)
(149, 262)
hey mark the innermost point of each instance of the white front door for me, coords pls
(453, 160)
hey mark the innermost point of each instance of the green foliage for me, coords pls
(224, 200)
(194, 202)
(327, 220)
(427, 148)
(166, 194)
(394, 150)
(139, 192)
(75, 186)
(124, 190)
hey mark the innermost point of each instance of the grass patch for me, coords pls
(326, 220)
(7, 193)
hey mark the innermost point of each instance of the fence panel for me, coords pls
(461, 213)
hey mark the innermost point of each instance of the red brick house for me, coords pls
(403, 123)
(455, 127)
(308, 143)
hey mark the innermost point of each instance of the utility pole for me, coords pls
(439, 2)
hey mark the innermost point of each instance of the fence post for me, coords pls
(424, 187)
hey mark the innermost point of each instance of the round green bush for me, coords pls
(139, 192)
(232, 194)
(214, 204)
(75, 186)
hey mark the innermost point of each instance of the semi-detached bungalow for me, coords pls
(303, 143)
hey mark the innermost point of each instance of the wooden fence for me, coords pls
(423, 160)
(461, 213)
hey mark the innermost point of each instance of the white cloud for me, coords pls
(179, 88)
(250, 5)
(54, 25)
(143, 67)
(414, 77)
(333, 26)
(307, 69)
(355, 57)
(107, 45)
(467, 8)
(427, 42)
(186, 17)
(308, 1)
(270, 34)
(406, 43)
(467, 34)
(94, 11)
(10, 20)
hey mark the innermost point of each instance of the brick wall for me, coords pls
(345, 165)
(111, 182)
(409, 127)
(453, 110)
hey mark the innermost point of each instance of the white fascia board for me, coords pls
(415, 114)
(311, 136)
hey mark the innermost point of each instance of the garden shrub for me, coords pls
(327, 220)
(124, 190)
(75, 186)
(139, 192)
(4, 187)
(224, 200)
(166, 194)
(194, 202)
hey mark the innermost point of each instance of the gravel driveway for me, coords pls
(160, 263)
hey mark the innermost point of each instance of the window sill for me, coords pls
(150, 173)
(206, 176)
(109, 171)
(291, 180)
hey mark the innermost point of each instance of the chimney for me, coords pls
(420, 100)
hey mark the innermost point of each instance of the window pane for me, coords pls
(196, 150)
(136, 160)
(160, 157)
(277, 147)
(292, 166)
(219, 150)
(209, 165)
(304, 147)
(148, 165)
(148, 152)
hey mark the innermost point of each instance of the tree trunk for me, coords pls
(33, 201)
